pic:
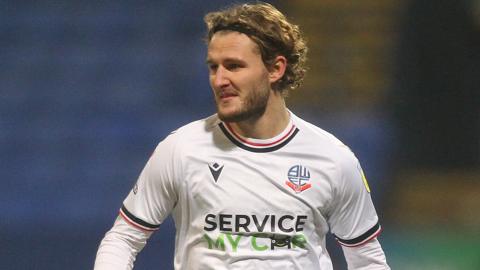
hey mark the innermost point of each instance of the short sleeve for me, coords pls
(154, 195)
(352, 219)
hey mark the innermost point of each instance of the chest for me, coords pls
(260, 188)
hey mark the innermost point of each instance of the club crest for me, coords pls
(298, 178)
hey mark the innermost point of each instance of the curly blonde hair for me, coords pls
(273, 34)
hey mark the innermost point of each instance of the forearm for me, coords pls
(368, 256)
(120, 246)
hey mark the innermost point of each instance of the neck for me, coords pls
(271, 123)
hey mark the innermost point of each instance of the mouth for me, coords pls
(226, 95)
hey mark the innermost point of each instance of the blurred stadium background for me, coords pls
(88, 88)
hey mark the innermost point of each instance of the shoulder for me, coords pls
(190, 133)
(195, 129)
(170, 153)
(328, 147)
(322, 139)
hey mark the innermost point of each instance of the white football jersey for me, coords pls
(242, 203)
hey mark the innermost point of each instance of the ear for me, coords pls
(277, 69)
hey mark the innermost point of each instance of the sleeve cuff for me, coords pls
(136, 222)
(362, 239)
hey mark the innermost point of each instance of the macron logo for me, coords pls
(216, 170)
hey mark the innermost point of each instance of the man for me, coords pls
(253, 186)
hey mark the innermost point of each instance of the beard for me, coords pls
(253, 106)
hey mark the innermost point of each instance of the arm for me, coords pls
(353, 219)
(146, 206)
(120, 246)
(368, 256)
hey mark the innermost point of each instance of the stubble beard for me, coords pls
(253, 107)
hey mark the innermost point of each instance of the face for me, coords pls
(238, 77)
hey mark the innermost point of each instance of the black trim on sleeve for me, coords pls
(137, 220)
(368, 235)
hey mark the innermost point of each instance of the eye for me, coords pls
(212, 67)
(233, 66)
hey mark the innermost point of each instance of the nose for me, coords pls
(219, 78)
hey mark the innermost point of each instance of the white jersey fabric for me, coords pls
(241, 203)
